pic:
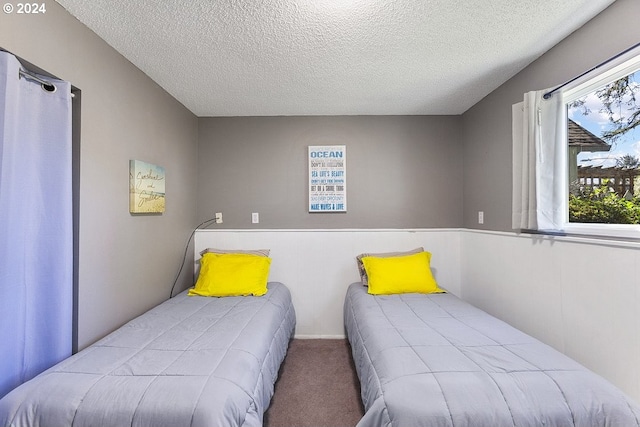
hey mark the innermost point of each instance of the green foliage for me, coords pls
(601, 205)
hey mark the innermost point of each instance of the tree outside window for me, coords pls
(603, 135)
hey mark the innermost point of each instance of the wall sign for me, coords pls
(328, 178)
(146, 187)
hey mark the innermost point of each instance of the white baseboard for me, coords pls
(319, 337)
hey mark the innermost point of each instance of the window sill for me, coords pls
(617, 232)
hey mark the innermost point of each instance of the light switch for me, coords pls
(255, 218)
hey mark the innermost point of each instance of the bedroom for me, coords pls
(118, 282)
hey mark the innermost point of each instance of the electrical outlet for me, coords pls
(255, 218)
(218, 217)
(480, 217)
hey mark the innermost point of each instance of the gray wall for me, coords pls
(487, 125)
(402, 172)
(127, 264)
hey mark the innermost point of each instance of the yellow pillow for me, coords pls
(400, 274)
(223, 275)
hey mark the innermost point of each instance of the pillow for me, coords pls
(363, 272)
(259, 252)
(400, 274)
(234, 274)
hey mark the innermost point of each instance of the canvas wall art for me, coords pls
(146, 188)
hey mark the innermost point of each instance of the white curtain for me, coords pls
(36, 234)
(539, 162)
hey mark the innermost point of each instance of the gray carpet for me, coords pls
(317, 387)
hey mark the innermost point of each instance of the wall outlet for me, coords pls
(255, 218)
(480, 217)
(218, 217)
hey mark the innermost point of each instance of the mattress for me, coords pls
(435, 360)
(191, 361)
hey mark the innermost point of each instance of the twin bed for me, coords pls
(191, 361)
(434, 360)
(423, 359)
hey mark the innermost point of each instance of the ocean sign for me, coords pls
(328, 178)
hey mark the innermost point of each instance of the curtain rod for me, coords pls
(46, 85)
(551, 92)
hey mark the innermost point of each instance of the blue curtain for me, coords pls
(36, 230)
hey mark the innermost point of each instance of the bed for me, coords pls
(434, 360)
(191, 361)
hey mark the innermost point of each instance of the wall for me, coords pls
(127, 264)
(402, 172)
(318, 265)
(486, 135)
(578, 296)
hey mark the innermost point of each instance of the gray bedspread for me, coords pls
(434, 360)
(191, 361)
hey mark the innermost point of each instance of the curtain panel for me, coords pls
(36, 230)
(539, 159)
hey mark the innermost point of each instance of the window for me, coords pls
(602, 183)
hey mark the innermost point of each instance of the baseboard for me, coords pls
(319, 337)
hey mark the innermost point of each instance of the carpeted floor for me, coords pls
(317, 387)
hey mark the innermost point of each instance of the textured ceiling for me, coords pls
(331, 57)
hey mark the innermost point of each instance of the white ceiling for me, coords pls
(331, 57)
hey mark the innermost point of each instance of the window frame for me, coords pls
(621, 67)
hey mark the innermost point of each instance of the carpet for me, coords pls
(317, 386)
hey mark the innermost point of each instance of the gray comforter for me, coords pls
(191, 361)
(434, 360)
